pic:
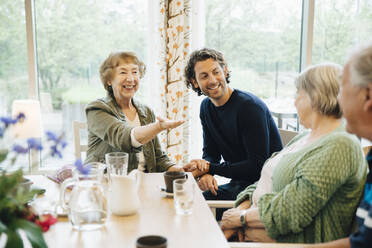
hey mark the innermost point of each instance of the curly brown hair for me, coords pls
(202, 55)
(108, 66)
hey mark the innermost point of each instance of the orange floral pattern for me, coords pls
(174, 31)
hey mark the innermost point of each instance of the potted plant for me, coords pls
(15, 191)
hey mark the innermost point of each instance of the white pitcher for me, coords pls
(123, 193)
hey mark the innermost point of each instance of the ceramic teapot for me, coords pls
(123, 193)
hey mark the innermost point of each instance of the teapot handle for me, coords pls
(137, 176)
(62, 196)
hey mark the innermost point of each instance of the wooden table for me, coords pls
(156, 216)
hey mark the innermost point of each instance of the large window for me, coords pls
(261, 42)
(73, 39)
(338, 26)
(13, 54)
(260, 39)
(13, 59)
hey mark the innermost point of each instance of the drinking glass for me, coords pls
(183, 196)
(117, 163)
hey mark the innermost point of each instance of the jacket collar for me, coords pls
(141, 110)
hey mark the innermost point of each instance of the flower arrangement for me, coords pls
(15, 214)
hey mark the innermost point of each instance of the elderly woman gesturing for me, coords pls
(118, 122)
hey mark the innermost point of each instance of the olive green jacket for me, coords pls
(108, 131)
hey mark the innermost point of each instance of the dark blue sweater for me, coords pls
(363, 237)
(243, 132)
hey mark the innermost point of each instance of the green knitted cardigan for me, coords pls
(315, 190)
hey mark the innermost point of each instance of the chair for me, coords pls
(286, 135)
(280, 116)
(213, 205)
(79, 148)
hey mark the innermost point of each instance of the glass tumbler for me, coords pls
(183, 196)
(117, 163)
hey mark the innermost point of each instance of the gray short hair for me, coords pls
(321, 83)
(361, 66)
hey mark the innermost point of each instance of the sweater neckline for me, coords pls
(229, 101)
(341, 127)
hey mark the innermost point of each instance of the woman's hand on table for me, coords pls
(231, 219)
(229, 233)
(245, 204)
(257, 235)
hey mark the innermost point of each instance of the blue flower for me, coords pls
(10, 121)
(59, 143)
(20, 149)
(84, 169)
(34, 144)
(63, 144)
(1, 131)
(51, 136)
(20, 116)
(55, 152)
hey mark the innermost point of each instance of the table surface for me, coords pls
(156, 216)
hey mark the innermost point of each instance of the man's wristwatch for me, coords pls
(242, 217)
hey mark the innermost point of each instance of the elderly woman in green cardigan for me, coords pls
(308, 192)
(118, 122)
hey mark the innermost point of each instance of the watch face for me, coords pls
(242, 218)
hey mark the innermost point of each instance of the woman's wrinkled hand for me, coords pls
(231, 219)
(168, 124)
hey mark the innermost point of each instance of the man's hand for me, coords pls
(168, 124)
(231, 219)
(197, 173)
(208, 182)
(200, 164)
(175, 168)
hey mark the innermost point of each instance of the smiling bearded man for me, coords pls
(237, 126)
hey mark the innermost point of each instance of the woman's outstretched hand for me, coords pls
(168, 124)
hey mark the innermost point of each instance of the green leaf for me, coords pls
(14, 239)
(33, 232)
(3, 154)
(2, 227)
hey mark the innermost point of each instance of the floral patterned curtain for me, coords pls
(174, 32)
